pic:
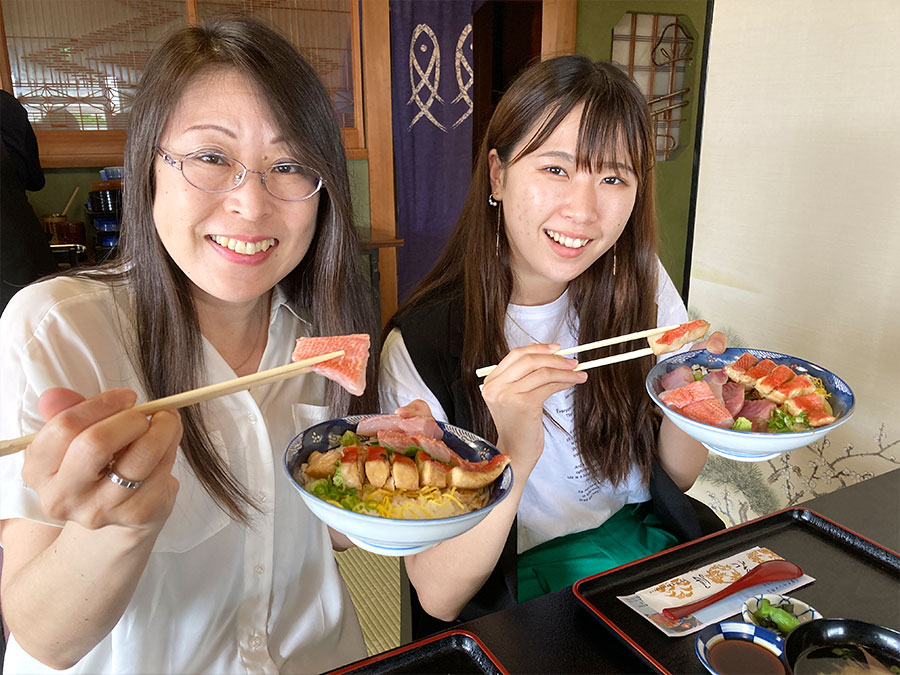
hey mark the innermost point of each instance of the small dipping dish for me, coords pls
(736, 648)
(796, 608)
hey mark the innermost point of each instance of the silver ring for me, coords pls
(124, 482)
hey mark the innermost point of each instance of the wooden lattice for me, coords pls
(74, 64)
(655, 49)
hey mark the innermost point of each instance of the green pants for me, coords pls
(631, 533)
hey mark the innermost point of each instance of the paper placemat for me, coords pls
(701, 583)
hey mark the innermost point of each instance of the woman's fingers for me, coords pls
(54, 401)
(67, 418)
(152, 501)
(143, 455)
(516, 355)
(519, 364)
(91, 451)
(68, 463)
(417, 408)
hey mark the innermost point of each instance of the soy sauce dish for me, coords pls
(735, 648)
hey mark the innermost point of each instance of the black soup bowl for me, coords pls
(831, 645)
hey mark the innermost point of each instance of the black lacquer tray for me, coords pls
(449, 652)
(855, 578)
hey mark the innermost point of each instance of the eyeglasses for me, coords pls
(216, 172)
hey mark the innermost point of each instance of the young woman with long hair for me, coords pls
(176, 543)
(556, 245)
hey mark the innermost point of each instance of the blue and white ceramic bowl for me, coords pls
(735, 630)
(391, 536)
(797, 608)
(750, 446)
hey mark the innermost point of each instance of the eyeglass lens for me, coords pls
(219, 173)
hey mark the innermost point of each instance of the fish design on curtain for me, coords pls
(432, 80)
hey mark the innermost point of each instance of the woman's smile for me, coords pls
(571, 245)
(247, 248)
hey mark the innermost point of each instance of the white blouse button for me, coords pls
(255, 642)
(251, 418)
(259, 569)
(262, 497)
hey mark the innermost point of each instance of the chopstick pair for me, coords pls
(616, 358)
(203, 393)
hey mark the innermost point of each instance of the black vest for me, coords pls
(433, 335)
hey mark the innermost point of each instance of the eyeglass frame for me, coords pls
(179, 163)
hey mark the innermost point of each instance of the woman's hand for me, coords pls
(68, 462)
(515, 393)
(681, 456)
(417, 408)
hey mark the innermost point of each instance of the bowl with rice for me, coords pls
(387, 518)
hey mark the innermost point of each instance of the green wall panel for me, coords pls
(596, 19)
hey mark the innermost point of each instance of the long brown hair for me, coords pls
(615, 421)
(327, 285)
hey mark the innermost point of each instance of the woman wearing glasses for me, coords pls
(122, 552)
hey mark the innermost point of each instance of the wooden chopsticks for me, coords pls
(203, 393)
(482, 372)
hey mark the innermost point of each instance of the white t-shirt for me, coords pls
(215, 596)
(577, 502)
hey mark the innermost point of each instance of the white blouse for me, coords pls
(578, 503)
(215, 596)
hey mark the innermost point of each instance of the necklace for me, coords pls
(534, 339)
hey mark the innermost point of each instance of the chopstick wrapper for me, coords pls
(701, 583)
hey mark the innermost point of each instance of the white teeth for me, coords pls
(243, 247)
(568, 242)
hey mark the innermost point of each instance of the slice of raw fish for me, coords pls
(799, 386)
(678, 337)
(436, 449)
(431, 472)
(716, 379)
(404, 472)
(760, 370)
(395, 439)
(483, 475)
(690, 393)
(676, 378)
(423, 426)
(737, 371)
(709, 411)
(814, 407)
(779, 376)
(348, 370)
(733, 396)
(353, 466)
(757, 409)
(378, 468)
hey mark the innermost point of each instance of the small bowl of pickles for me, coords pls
(779, 613)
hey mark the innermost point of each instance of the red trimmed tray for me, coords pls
(454, 651)
(855, 579)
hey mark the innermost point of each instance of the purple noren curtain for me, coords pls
(432, 87)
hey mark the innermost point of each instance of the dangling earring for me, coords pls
(614, 260)
(492, 202)
(499, 211)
